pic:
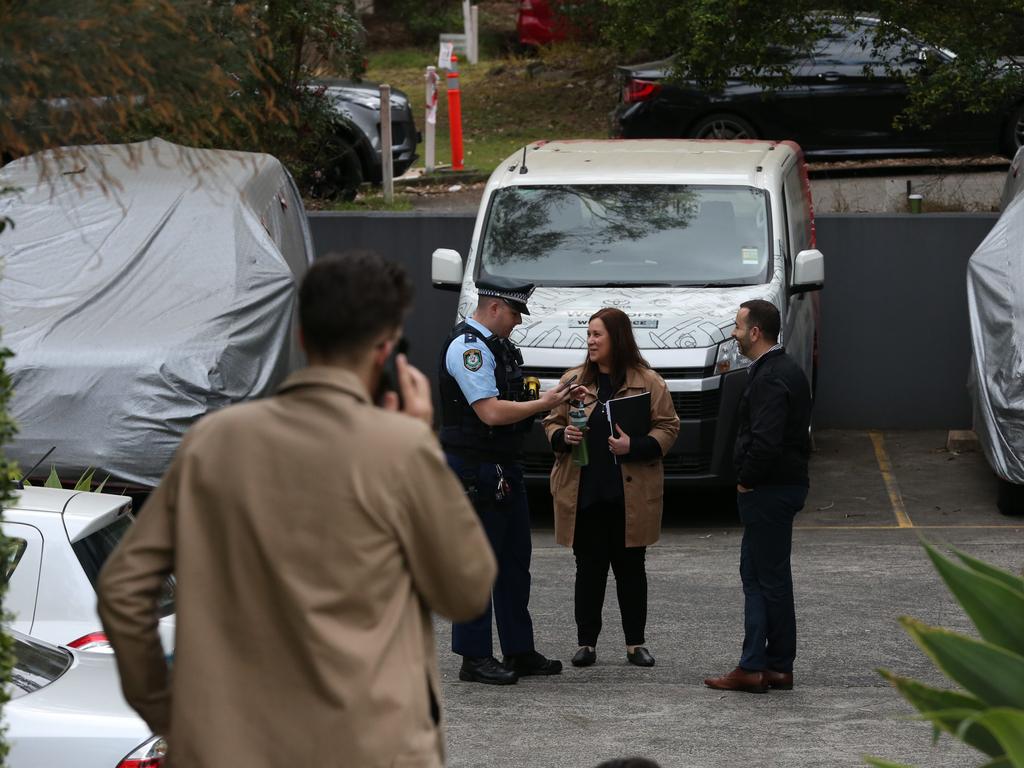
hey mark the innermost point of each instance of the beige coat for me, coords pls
(643, 483)
(311, 535)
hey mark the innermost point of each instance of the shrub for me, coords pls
(988, 714)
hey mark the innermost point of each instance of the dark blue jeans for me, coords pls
(507, 524)
(769, 638)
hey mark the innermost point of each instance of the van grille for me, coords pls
(675, 463)
(697, 405)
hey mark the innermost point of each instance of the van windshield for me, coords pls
(628, 234)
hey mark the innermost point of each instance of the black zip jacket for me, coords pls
(772, 442)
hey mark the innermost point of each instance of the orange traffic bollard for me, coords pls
(455, 115)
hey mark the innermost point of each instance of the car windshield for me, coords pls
(628, 235)
(36, 665)
(93, 550)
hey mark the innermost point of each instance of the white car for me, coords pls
(61, 540)
(66, 708)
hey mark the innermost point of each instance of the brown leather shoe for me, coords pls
(739, 680)
(783, 681)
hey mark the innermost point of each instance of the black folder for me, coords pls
(632, 413)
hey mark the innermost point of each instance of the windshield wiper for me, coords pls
(629, 285)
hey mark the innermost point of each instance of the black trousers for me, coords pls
(769, 615)
(599, 542)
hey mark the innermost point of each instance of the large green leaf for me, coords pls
(53, 481)
(993, 674)
(1007, 725)
(996, 609)
(85, 480)
(948, 710)
(1011, 580)
(999, 762)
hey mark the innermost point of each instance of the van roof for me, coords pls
(645, 161)
(83, 512)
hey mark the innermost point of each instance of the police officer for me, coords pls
(485, 412)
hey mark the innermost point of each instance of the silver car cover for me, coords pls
(143, 286)
(995, 301)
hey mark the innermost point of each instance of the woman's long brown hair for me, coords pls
(625, 353)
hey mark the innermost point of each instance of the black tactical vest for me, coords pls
(462, 431)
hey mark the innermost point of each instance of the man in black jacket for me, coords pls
(772, 448)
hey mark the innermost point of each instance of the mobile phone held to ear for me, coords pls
(389, 381)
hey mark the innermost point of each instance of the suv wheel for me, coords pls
(722, 125)
(339, 172)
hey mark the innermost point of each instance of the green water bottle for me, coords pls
(578, 418)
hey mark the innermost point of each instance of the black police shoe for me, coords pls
(486, 669)
(532, 663)
(641, 657)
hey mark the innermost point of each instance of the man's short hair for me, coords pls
(765, 316)
(348, 299)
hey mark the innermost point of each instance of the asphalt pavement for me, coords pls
(858, 566)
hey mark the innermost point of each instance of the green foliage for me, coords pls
(713, 39)
(84, 482)
(8, 473)
(425, 19)
(206, 73)
(989, 714)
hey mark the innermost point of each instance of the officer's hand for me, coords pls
(553, 398)
(572, 435)
(415, 392)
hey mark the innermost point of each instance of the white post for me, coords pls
(387, 160)
(474, 40)
(430, 120)
(467, 27)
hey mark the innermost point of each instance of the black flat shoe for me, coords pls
(584, 657)
(641, 657)
(486, 670)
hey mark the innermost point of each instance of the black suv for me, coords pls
(357, 106)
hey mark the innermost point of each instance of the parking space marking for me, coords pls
(895, 497)
(970, 526)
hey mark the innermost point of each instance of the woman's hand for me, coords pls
(579, 392)
(572, 435)
(619, 445)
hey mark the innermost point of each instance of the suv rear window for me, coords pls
(93, 551)
(36, 665)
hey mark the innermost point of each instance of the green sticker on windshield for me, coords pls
(750, 256)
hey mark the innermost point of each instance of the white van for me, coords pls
(675, 233)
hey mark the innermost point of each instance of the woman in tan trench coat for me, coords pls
(610, 512)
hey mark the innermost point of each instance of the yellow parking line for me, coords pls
(895, 498)
(967, 526)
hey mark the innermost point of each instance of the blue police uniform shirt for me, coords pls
(472, 364)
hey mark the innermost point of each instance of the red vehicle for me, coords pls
(539, 24)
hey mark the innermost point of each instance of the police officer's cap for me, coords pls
(514, 292)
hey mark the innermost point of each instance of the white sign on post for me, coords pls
(444, 57)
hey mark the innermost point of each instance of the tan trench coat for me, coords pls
(643, 483)
(311, 535)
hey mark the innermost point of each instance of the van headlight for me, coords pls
(729, 357)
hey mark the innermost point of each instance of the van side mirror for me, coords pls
(446, 269)
(808, 271)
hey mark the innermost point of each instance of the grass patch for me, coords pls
(566, 92)
(369, 202)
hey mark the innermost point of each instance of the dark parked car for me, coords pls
(839, 101)
(357, 135)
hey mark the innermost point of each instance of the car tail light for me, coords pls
(95, 641)
(639, 90)
(149, 754)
